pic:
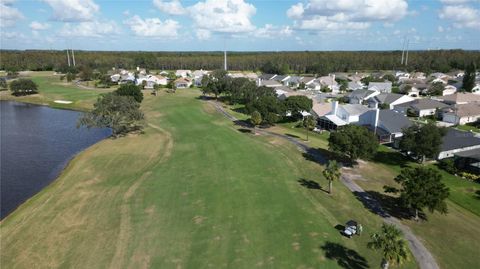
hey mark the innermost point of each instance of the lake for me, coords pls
(36, 143)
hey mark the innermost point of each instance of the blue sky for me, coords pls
(240, 25)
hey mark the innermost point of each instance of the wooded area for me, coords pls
(293, 62)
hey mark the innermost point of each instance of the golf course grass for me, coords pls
(193, 191)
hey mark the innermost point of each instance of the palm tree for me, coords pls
(390, 241)
(309, 123)
(331, 173)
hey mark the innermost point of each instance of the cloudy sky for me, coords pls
(242, 25)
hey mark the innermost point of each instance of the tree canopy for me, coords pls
(469, 77)
(422, 141)
(132, 90)
(331, 173)
(422, 187)
(436, 89)
(353, 142)
(120, 113)
(23, 87)
(298, 103)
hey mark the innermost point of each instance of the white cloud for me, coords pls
(271, 31)
(456, 2)
(73, 10)
(203, 34)
(13, 35)
(173, 7)
(38, 26)
(229, 16)
(461, 16)
(8, 14)
(326, 15)
(153, 27)
(440, 29)
(90, 29)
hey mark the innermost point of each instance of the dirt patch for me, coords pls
(198, 219)
(296, 246)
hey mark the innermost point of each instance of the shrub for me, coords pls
(23, 87)
(470, 176)
(448, 165)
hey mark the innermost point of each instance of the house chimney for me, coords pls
(334, 107)
(375, 123)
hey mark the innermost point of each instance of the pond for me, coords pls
(36, 143)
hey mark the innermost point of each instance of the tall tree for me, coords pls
(436, 89)
(422, 141)
(130, 90)
(120, 113)
(331, 173)
(23, 87)
(255, 119)
(392, 245)
(298, 103)
(353, 142)
(422, 187)
(469, 77)
(309, 123)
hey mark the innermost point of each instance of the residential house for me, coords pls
(468, 160)
(151, 81)
(387, 125)
(360, 95)
(292, 81)
(321, 109)
(384, 87)
(341, 115)
(269, 83)
(198, 74)
(418, 75)
(460, 98)
(449, 89)
(115, 78)
(127, 78)
(354, 85)
(462, 114)
(267, 76)
(181, 83)
(390, 99)
(456, 141)
(307, 80)
(281, 78)
(422, 107)
(183, 73)
(329, 82)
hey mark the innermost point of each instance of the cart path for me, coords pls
(422, 255)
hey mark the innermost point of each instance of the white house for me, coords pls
(449, 89)
(360, 95)
(329, 82)
(183, 73)
(422, 107)
(341, 115)
(390, 99)
(181, 83)
(456, 141)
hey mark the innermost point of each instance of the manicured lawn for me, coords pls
(450, 237)
(192, 192)
(468, 128)
(51, 89)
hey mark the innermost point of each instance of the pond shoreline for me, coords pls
(56, 168)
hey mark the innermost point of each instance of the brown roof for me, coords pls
(466, 110)
(462, 97)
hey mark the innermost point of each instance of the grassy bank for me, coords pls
(192, 192)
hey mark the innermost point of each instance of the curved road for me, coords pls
(422, 255)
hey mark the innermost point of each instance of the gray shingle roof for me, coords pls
(393, 121)
(381, 86)
(455, 139)
(388, 98)
(421, 104)
(355, 109)
(360, 93)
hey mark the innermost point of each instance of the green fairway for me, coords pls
(51, 89)
(192, 192)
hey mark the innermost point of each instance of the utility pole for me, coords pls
(68, 58)
(403, 50)
(73, 58)
(406, 58)
(225, 54)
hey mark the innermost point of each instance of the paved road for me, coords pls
(423, 257)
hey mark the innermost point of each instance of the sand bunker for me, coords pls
(62, 102)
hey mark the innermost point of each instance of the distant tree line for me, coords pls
(270, 62)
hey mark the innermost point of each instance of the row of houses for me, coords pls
(183, 78)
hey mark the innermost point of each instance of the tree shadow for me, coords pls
(477, 194)
(310, 184)
(240, 110)
(243, 130)
(292, 135)
(385, 205)
(317, 155)
(345, 257)
(391, 158)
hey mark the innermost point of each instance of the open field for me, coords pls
(51, 89)
(192, 192)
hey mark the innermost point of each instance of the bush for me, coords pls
(23, 87)
(448, 165)
(130, 90)
(470, 176)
